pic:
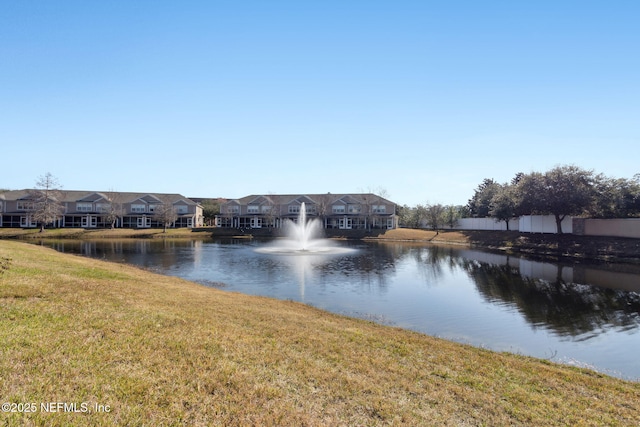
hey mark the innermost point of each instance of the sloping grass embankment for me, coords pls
(100, 233)
(110, 344)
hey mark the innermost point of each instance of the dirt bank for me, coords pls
(609, 249)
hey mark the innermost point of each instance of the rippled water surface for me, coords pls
(586, 315)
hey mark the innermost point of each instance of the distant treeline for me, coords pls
(562, 191)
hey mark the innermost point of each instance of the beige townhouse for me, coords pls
(90, 209)
(362, 211)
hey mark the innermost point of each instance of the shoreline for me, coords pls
(550, 246)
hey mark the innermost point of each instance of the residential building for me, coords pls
(335, 211)
(88, 209)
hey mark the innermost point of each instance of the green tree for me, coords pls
(480, 204)
(616, 197)
(451, 215)
(405, 216)
(210, 209)
(411, 217)
(561, 191)
(503, 205)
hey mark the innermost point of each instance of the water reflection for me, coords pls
(569, 309)
(301, 267)
(572, 300)
(586, 312)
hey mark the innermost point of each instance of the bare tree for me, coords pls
(165, 214)
(412, 217)
(47, 200)
(435, 216)
(380, 191)
(370, 196)
(113, 210)
(269, 211)
(323, 207)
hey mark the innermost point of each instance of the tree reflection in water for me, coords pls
(569, 309)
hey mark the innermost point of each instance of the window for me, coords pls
(310, 209)
(294, 209)
(338, 209)
(154, 208)
(84, 207)
(233, 209)
(380, 209)
(182, 209)
(137, 208)
(25, 221)
(355, 209)
(103, 207)
(267, 209)
(25, 206)
(253, 209)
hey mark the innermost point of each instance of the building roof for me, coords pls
(72, 196)
(326, 198)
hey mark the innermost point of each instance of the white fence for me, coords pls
(485, 224)
(525, 224)
(616, 227)
(543, 224)
(627, 227)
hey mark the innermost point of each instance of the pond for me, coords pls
(580, 314)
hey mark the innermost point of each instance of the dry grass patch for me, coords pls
(98, 233)
(163, 351)
(410, 234)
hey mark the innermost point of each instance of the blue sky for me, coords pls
(423, 99)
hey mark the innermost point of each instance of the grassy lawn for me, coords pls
(161, 351)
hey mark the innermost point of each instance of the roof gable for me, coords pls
(185, 202)
(348, 200)
(150, 198)
(93, 197)
(261, 200)
(302, 199)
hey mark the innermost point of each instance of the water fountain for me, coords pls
(303, 237)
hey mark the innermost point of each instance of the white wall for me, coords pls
(543, 224)
(525, 224)
(627, 227)
(485, 224)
